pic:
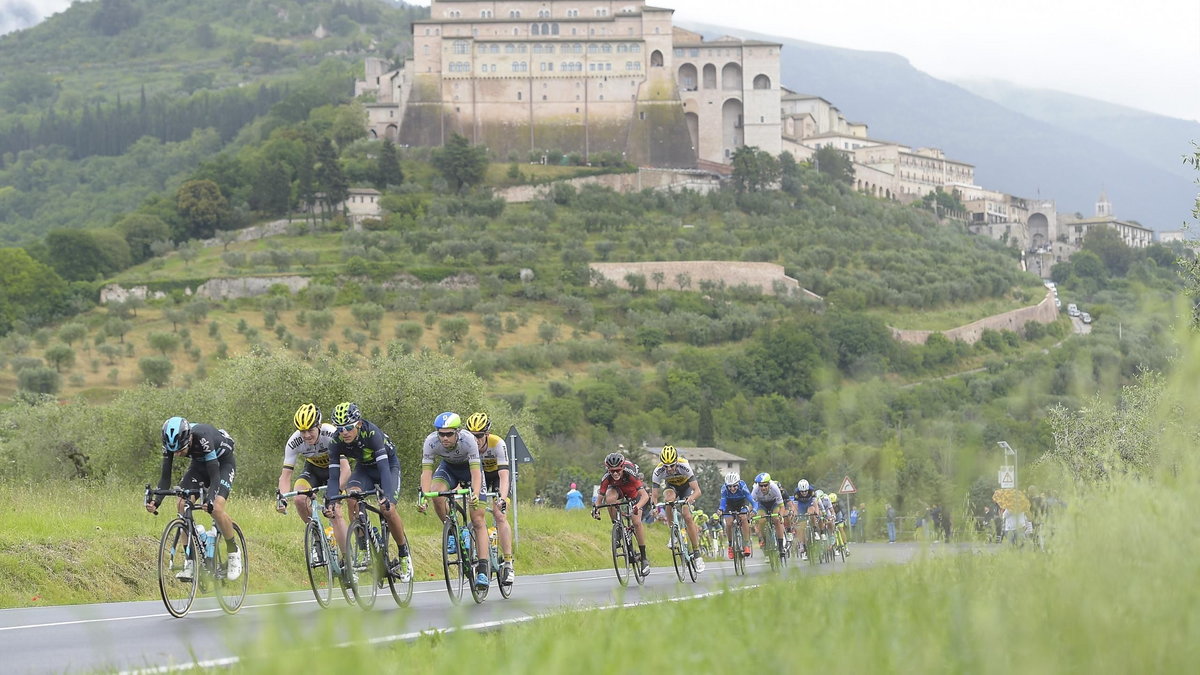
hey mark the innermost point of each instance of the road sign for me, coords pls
(1008, 477)
(847, 486)
(516, 447)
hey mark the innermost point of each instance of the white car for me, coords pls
(1087, 318)
(1072, 310)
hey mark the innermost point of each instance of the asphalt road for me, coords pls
(132, 636)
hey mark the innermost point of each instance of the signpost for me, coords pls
(518, 454)
(1009, 452)
(848, 488)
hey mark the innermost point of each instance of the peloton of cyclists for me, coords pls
(621, 482)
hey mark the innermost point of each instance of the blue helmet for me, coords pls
(447, 420)
(176, 434)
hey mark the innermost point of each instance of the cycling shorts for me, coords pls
(196, 476)
(453, 475)
(312, 476)
(365, 477)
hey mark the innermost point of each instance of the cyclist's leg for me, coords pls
(503, 530)
(306, 481)
(441, 483)
(668, 497)
(692, 531)
(220, 513)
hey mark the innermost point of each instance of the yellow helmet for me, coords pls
(832, 498)
(669, 455)
(478, 422)
(307, 416)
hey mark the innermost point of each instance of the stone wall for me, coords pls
(1044, 312)
(654, 179)
(213, 289)
(760, 274)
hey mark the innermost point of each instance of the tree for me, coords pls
(460, 163)
(30, 291)
(60, 356)
(115, 16)
(140, 231)
(366, 312)
(72, 332)
(387, 171)
(1106, 243)
(202, 207)
(835, 164)
(163, 342)
(329, 175)
(39, 380)
(454, 329)
(547, 332)
(754, 169)
(156, 369)
(76, 255)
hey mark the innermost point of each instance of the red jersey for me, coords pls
(628, 484)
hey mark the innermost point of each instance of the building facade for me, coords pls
(586, 76)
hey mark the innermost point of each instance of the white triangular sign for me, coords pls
(847, 486)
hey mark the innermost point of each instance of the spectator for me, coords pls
(891, 523)
(862, 524)
(854, 524)
(935, 520)
(574, 498)
(946, 525)
(539, 500)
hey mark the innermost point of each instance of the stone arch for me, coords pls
(710, 76)
(731, 77)
(1039, 230)
(731, 125)
(687, 77)
(762, 81)
(656, 59)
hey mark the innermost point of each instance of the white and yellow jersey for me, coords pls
(493, 452)
(676, 475)
(317, 455)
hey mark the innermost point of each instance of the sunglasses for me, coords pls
(344, 429)
(480, 435)
(447, 434)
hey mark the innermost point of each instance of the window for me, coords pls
(514, 13)
(601, 11)
(543, 14)
(461, 46)
(572, 13)
(535, 29)
(520, 95)
(485, 13)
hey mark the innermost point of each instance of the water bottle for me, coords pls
(465, 538)
(210, 542)
(329, 537)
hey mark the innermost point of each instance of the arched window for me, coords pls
(762, 82)
(656, 59)
(535, 29)
(545, 29)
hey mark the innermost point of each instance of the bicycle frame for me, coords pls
(367, 553)
(736, 539)
(494, 549)
(458, 566)
(625, 560)
(327, 557)
(681, 551)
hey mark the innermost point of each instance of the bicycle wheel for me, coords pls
(316, 557)
(452, 563)
(739, 556)
(360, 561)
(393, 569)
(175, 549)
(505, 588)
(622, 564)
(677, 558)
(231, 593)
(688, 563)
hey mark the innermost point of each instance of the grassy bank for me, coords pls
(76, 543)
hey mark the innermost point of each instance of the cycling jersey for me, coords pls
(737, 498)
(317, 455)
(804, 502)
(370, 448)
(465, 452)
(211, 454)
(675, 475)
(770, 495)
(493, 455)
(628, 484)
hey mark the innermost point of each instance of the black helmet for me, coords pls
(615, 460)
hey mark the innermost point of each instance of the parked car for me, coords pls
(1072, 310)
(1087, 318)
(1057, 302)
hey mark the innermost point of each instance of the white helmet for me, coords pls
(803, 486)
(820, 493)
(731, 479)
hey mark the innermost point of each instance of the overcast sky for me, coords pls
(1144, 54)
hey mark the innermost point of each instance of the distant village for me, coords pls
(526, 77)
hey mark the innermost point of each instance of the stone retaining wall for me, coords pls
(760, 274)
(1043, 312)
(655, 179)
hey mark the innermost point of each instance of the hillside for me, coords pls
(1014, 149)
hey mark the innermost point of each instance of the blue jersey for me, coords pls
(740, 496)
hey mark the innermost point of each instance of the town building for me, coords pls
(577, 76)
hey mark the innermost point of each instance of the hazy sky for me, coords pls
(1144, 54)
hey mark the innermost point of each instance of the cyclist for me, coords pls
(675, 476)
(770, 498)
(375, 464)
(736, 497)
(825, 508)
(311, 442)
(212, 466)
(701, 520)
(493, 454)
(621, 482)
(803, 506)
(839, 521)
(460, 466)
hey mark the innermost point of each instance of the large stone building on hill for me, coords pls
(586, 76)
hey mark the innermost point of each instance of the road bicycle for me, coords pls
(626, 562)
(458, 544)
(777, 555)
(494, 561)
(370, 561)
(737, 541)
(839, 542)
(181, 543)
(681, 552)
(813, 550)
(321, 557)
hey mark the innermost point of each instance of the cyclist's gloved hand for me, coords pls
(151, 507)
(208, 507)
(504, 505)
(385, 505)
(596, 513)
(637, 510)
(474, 500)
(281, 505)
